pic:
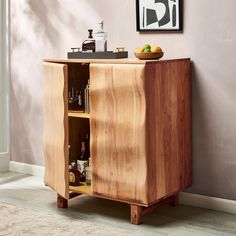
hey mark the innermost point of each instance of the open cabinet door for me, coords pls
(56, 127)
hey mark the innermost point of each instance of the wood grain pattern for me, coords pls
(117, 120)
(168, 94)
(102, 61)
(109, 61)
(82, 189)
(56, 127)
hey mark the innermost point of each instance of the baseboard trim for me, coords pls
(26, 168)
(190, 199)
(212, 203)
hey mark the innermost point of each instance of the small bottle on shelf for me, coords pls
(71, 99)
(101, 39)
(87, 146)
(86, 99)
(77, 103)
(74, 175)
(89, 44)
(80, 101)
(82, 162)
(88, 173)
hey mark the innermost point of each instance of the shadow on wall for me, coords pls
(199, 129)
(22, 147)
(39, 29)
(58, 19)
(38, 9)
(208, 148)
(48, 20)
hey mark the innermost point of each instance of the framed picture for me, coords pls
(159, 15)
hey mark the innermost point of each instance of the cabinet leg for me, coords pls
(61, 202)
(175, 200)
(135, 214)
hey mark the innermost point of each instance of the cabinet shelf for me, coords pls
(78, 114)
(83, 189)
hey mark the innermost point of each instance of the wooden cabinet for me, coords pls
(139, 126)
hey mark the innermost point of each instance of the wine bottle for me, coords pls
(82, 161)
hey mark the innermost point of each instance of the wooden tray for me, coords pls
(149, 55)
(97, 55)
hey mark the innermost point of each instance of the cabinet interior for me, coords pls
(78, 77)
(78, 129)
(78, 120)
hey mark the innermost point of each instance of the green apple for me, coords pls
(147, 46)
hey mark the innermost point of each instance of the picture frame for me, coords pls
(159, 15)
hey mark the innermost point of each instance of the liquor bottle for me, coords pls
(86, 99)
(82, 162)
(70, 156)
(87, 147)
(77, 101)
(80, 101)
(74, 175)
(71, 99)
(101, 39)
(88, 173)
(89, 44)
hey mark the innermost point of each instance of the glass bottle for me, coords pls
(101, 39)
(87, 146)
(74, 175)
(89, 44)
(80, 101)
(82, 162)
(88, 175)
(86, 98)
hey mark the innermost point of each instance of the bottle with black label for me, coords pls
(89, 44)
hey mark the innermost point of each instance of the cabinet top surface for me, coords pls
(110, 61)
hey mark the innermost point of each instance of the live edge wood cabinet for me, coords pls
(139, 124)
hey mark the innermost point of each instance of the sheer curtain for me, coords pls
(4, 87)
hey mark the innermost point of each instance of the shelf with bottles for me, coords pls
(79, 101)
(79, 153)
(78, 90)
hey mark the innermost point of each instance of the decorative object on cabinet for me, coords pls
(159, 15)
(139, 130)
(97, 55)
(149, 55)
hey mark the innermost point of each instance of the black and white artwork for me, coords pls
(158, 15)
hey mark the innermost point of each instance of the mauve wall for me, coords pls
(47, 29)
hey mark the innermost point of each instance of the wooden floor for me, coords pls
(30, 192)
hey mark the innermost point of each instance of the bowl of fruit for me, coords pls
(149, 52)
